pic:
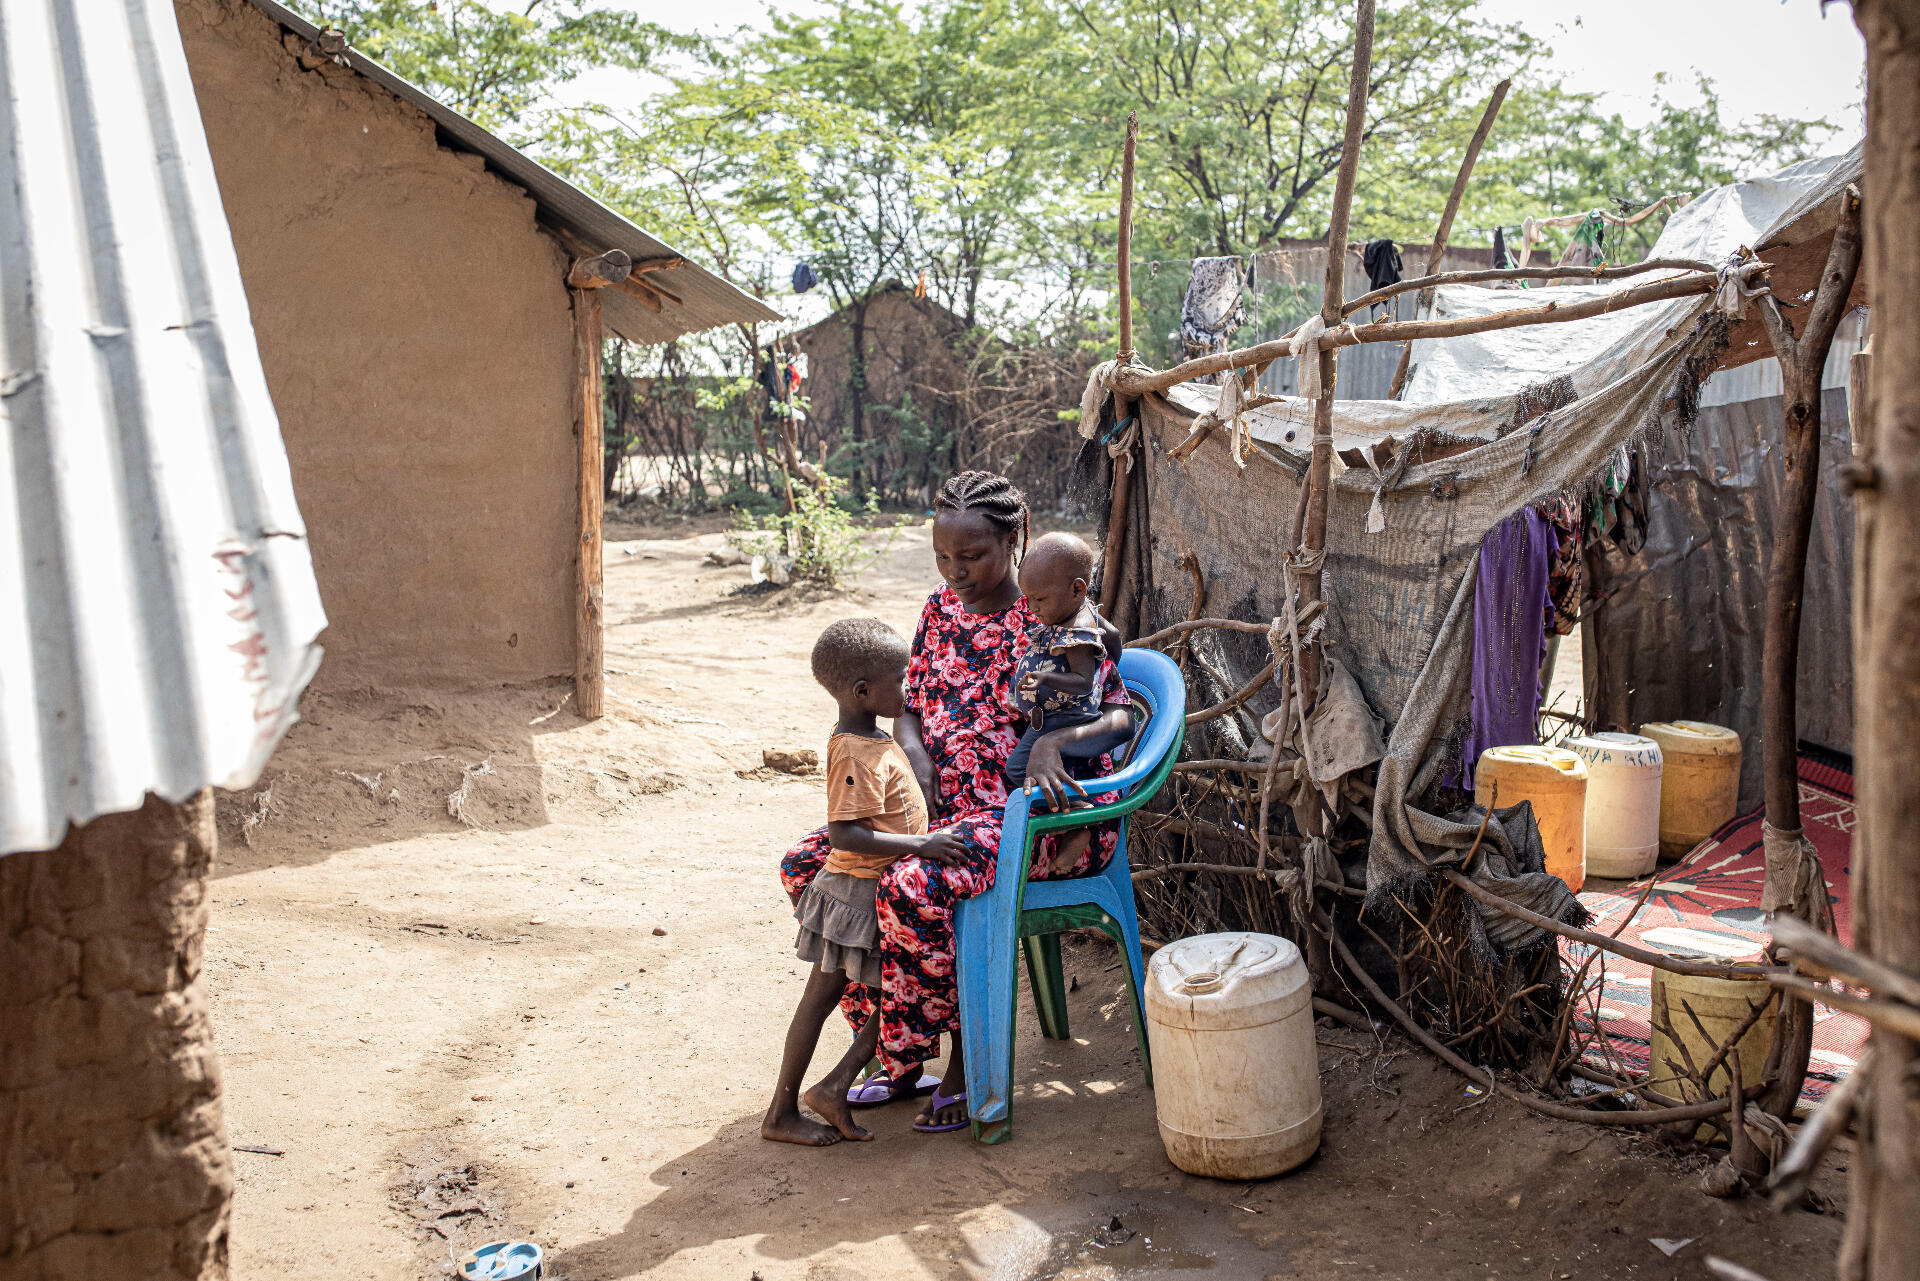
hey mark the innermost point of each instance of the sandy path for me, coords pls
(432, 1061)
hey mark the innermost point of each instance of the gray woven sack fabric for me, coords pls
(1400, 601)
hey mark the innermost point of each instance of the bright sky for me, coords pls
(1777, 56)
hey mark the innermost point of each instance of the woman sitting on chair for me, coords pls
(958, 731)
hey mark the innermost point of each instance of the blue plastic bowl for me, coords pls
(503, 1261)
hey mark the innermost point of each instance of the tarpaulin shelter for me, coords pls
(1491, 423)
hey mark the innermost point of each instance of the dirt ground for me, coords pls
(558, 1018)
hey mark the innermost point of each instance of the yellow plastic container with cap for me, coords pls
(1699, 781)
(1555, 780)
(1720, 1006)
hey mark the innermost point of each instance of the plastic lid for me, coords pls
(1224, 981)
(502, 1261)
(1554, 757)
(1611, 747)
(1695, 736)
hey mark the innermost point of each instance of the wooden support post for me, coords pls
(1313, 538)
(1802, 359)
(589, 663)
(1125, 256)
(1446, 220)
(1122, 492)
(1883, 1220)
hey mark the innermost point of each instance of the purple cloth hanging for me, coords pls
(1509, 635)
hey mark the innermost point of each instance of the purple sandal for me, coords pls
(877, 1090)
(943, 1101)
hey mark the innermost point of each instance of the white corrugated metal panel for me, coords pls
(157, 604)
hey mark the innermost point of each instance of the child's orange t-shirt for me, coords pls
(870, 780)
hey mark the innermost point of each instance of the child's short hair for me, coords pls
(1063, 548)
(856, 649)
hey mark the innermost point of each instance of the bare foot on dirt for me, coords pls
(830, 1101)
(794, 1128)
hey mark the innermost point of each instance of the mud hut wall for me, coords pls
(909, 349)
(418, 342)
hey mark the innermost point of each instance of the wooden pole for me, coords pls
(1126, 236)
(1320, 466)
(1884, 1216)
(1802, 359)
(1427, 284)
(1446, 219)
(589, 663)
(1137, 382)
(1123, 406)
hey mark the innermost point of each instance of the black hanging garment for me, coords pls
(770, 376)
(1382, 261)
(803, 278)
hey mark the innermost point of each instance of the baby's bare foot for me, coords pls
(831, 1103)
(794, 1128)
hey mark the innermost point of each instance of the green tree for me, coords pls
(1556, 152)
(1243, 106)
(495, 66)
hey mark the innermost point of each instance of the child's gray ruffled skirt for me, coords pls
(840, 927)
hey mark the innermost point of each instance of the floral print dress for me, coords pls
(957, 682)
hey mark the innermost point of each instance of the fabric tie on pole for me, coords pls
(1305, 347)
(1099, 387)
(1376, 514)
(1232, 412)
(1792, 870)
(1734, 291)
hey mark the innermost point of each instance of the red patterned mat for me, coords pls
(1710, 902)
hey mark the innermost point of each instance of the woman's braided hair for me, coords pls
(993, 496)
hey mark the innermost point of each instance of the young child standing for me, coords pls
(875, 816)
(1064, 676)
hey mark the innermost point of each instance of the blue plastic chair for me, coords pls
(1031, 914)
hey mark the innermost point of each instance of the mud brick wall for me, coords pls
(417, 337)
(113, 1158)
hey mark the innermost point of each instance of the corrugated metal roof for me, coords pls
(157, 603)
(707, 300)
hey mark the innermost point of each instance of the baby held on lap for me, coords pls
(1063, 679)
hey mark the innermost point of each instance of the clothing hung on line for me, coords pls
(1381, 258)
(1509, 636)
(1214, 308)
(1616, 504)
(1567, 576)
(1588, 248)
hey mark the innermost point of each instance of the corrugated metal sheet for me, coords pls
(157, 603)
(707, 300)
(1760, 379)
